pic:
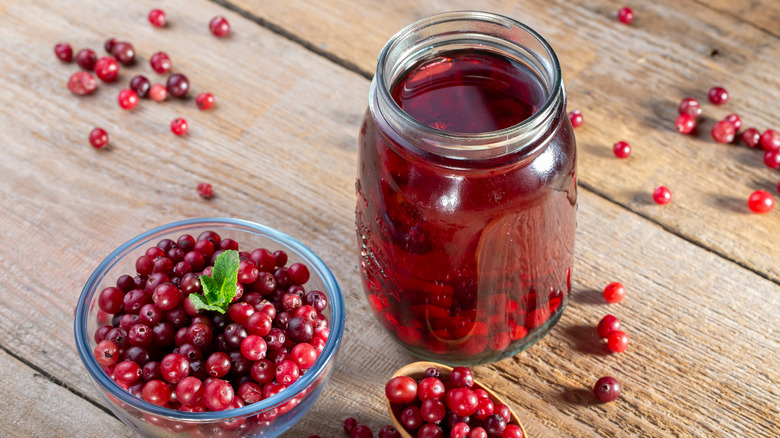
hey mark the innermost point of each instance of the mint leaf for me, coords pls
(220, 287)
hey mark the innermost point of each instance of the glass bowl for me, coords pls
(269, 417)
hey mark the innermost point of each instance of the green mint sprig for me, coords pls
(219, 289)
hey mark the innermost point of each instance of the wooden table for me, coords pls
(291, 83)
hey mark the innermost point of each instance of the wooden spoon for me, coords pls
(416, 370)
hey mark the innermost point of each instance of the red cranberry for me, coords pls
(86, 59)
(614, 292)
(690, 106)
(158, 92)
(64, 52)
(157, 17)
(761, 201)
(204, 101)
(189, 391)
(160, 62)
(156, 392)
(123, 52)
(718, 95)
(127, 99)
(778, 186)
(772, 159)
(685, 123)
(429, 430)
(98, 138)
(513, 431)
(494, 425)
(140, 85)
(607, 325)
(287, 373)
(401, 390)
(174, 367)
(388, 432)
(218, 395)
(127, 371)
(485, 408)
(219, 26)
(617, 341)
(349, 424)
(304, 355)
(662, 195)
(411, 418)
(461, 377)
(751, 137)
(734, 120)
(462, 401)
(179, 126)
(625, 15)
(621, 149)
(723, 132)
(433, 410)
(770, 140)
(178, 85)
(606, 389)
(460, 430)
(82, 83)
(575, 117)
(109, 44)
(107, 69)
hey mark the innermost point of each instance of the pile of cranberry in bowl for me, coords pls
(210, 327)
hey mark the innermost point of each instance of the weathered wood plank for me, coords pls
(628, 81)
(764, 14)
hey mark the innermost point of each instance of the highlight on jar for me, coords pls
(466, 189)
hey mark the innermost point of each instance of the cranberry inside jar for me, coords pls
(467, 189)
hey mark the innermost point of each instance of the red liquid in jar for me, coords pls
(467, 262)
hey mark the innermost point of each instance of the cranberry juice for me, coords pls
(467, 261)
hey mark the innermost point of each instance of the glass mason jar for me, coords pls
(467, 189)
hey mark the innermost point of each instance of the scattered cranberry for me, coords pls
(770, 140)
(751, 137)
(778, 186)
(606, 389)
(86, 59)
(718, 95)
(64, 52)
(361, 431)
(723, 132)
(576, 119)
(389, 432)
(179, 126)
(349, 424)
(157, 17)
(107, 69)
(140, 85)
(204, 101)
(127, 99)
(109, 44)
(625, 15)
(614, 292)
(662, 195)
(82, 83)
(690, 106)
(219, 26)
(772, 159)
(123, 52)
(621, 149)
(761, 201)
(617, 341)
(178, 85)
(158, 92)
(685, 123)
(205, 190)
(98, 138)
(160, 62)
(607, 325)
(734, 120)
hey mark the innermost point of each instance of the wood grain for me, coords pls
(764, 14)
(627, 81)
(280, 148)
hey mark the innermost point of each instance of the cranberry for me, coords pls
(690, 106)
(723, 132)
(204, 101)
(106, 353)
(127, 371)
(461, 377)
(494, 425)
(617, 341)
(429, 430)
(304, 355)
(179, 126)
(461, 401)
(734, 120)
(64, 52)
(259, 323)
(158, 93)
(401, 390)
(411, 418)
(107, 69)
(299, 273)
(718, 95)
(157, 17)
(109, 44)
(156, 392)
(160, 62)
(123, 52)
(140, 85)
(614, 292)
(219, 26)
(86, 59)
(485, 408)
(761, 201)
(513, 431)
(625, 15)
(685, 123)
(770, 140)
(178, 85)
(189, 391)
(287, 373)
(503, 410)
(662, 195)
(349, 424)
(174, 367)
(606, 389)
(621, 149)
(388, 432)
(433, 410)
(575, 117)
(460, 430)
(772, 159)
(110, 299)
(478, 432)
(82, 83)
(281, 258)
(127, 99)
(432, 372)
(608, 325)
(751, 137)
(253, 347)
(218, 395)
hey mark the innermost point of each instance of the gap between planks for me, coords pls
(737, 17)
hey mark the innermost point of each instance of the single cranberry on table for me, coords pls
(219, 26)
(625, 15)
(178, 85)
(621, 149)
(204, 100)
(685, 123)
(127, 99)
(82, 83)
(98, 138)
(614, 292)
(107, 69)
(772, 159)
(64, 52)
(140, 84)
(718, 95)
(86, 59)
(723, 132)
(662, 195)
(617, 341)
(388, 432)
(690, 106)
(734, 120)
(576, 119)
(205, 190)
(160, 62)
(770, 140)
(158, 92)
(607, 389)
(751, 137)
(608, 325)
(348, 424)
(361, 431)
(761, 201)
(157, 17)
(179, 126)
(109, 44)
(124, 52)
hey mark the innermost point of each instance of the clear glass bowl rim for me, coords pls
(328, 353)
